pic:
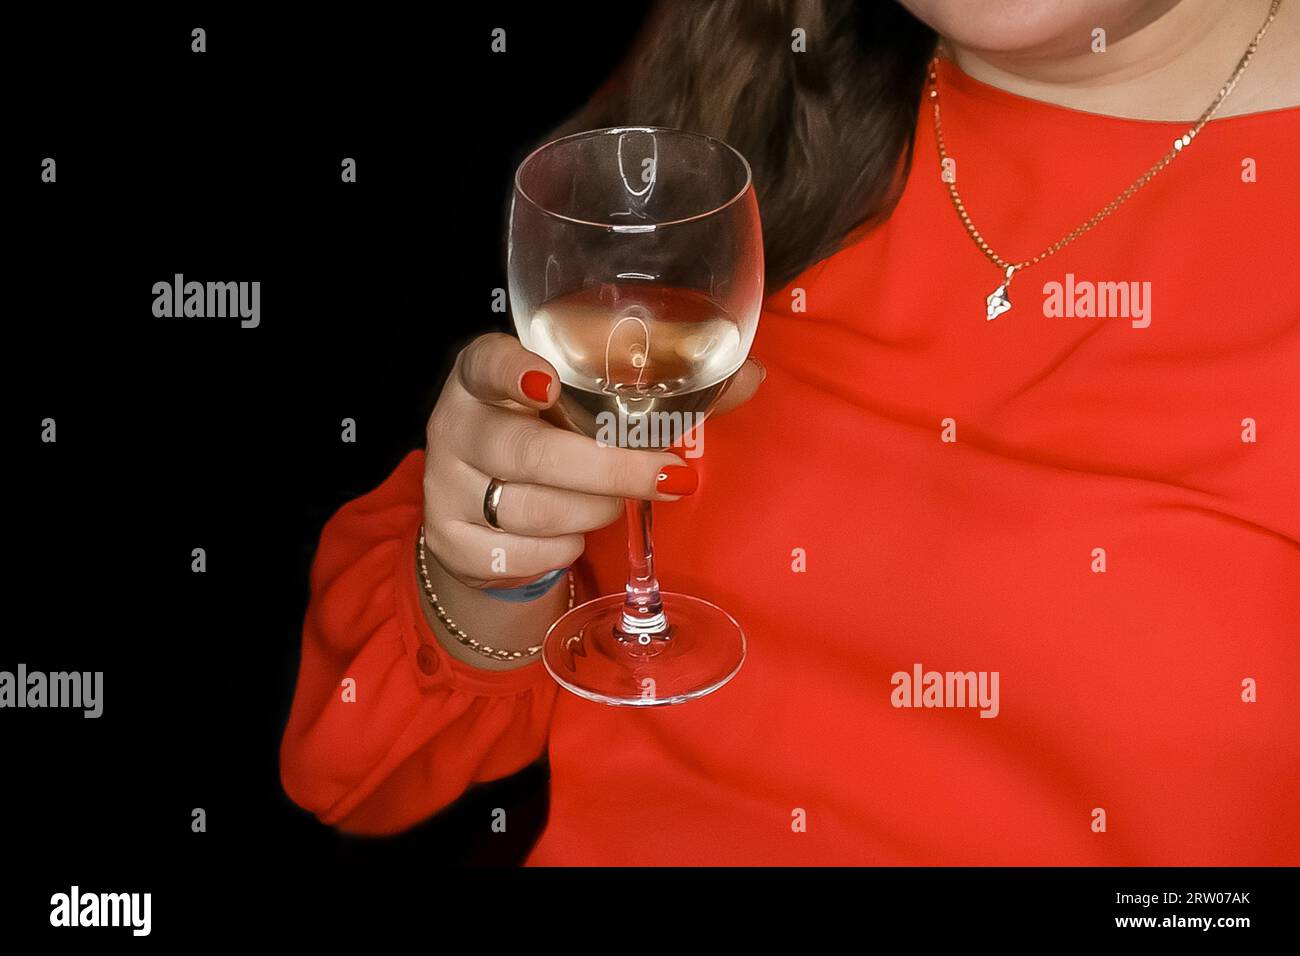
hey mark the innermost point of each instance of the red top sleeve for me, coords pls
(423, 725)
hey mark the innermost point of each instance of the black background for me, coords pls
(182, 433)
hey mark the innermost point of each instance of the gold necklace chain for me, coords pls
(998, 302)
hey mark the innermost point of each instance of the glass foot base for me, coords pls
(586, 653)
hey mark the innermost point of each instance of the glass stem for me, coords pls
(643, 611)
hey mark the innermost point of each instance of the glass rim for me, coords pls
(747, 186)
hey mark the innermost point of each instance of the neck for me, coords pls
(1167, 63)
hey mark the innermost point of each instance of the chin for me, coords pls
(1027, 26)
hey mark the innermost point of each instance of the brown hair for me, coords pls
(828, 132)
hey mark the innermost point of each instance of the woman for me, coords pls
(1087, 500)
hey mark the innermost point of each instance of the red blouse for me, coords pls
(1124, 690)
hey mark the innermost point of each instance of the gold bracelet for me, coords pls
(497, 654)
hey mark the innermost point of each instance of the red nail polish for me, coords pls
(677, 480)
(536, 385)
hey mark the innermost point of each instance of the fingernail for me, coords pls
(536, 385)
(677, 480)
(762, 369)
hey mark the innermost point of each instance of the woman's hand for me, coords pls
(559, 484)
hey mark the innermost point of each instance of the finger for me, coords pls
(515, 447)
(741, 388)
(539, 510)
(495, 368)
(478, 553)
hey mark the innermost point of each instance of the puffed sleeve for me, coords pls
(414, 726)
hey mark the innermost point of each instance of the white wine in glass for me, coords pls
(635, 264)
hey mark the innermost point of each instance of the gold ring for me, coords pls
(491, 500)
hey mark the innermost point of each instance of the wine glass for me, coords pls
(635, 261)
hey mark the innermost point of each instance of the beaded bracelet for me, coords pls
(498, 654)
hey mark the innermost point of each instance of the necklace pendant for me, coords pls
(999, 301)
